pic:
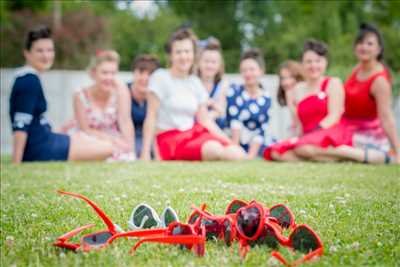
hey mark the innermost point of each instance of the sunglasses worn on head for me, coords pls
(88, 242)
(217, 227)
(188, 236)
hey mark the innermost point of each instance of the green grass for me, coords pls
(353, 207)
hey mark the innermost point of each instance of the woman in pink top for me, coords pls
(102, 110)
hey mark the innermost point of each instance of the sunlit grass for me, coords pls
(353, 207)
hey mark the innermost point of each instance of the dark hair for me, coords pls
(36, 33)
(364, 30)
(179, 35)
(295, 69)
(255, 54)
(145, 63)
(316, 46)
(212, 44)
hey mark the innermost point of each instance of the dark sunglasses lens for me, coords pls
(193, 218)
(235, 206)
(267, 238)
(227, 232)
(304, 240)
(248, 221)
(282, 214)
(212, 229)
(97, 239)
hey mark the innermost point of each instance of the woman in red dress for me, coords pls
(367, 126)
(318, 101)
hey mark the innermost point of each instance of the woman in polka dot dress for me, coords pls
(248, 105)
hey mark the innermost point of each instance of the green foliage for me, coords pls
(132, 36)
(352, 207)
(278, 28)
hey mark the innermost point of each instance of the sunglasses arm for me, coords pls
(140, 233)
(102, 215)
(316, 253)
(74, 232)
(61, 241)
(183, 240)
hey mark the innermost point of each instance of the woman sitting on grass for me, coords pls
(33, 138)
(318, 102)
(210, 71)
(177, 110)
(290, 74)
(103, 109)
(368, 126)
(248, 106)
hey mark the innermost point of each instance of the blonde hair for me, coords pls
(103, 56)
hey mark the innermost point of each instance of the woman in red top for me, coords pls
(319, 102)
(368, 121)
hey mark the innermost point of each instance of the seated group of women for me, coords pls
(190, 112)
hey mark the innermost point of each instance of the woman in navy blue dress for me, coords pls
(33, 138)
(248, 107)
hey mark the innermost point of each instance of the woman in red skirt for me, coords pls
(177, 110)
(367, 129)
(318, 101)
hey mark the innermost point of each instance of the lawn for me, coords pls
(353, 207)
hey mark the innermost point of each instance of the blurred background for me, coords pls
(132, 27)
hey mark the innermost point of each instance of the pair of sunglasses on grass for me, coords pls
(252, 224)
(188, 236)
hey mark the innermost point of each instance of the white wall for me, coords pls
(59, 86)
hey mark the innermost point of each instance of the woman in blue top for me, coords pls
(33, 138)
(142, 67)
(248, 106)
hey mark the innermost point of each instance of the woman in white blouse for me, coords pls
(177, 110)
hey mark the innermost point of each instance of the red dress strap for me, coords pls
(324, 84)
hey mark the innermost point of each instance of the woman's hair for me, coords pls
(212, 44)
(295, 69)
(364, 30)
(36, 33)
(103, 56)
(318, 47)
(255, 54)
(179, 35)
(145, 63)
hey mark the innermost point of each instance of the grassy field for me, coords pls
(354, 208)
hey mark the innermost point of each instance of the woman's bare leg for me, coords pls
(213, 150)
(287, 156)
(341, 153)
(84, 147)
(233, 152)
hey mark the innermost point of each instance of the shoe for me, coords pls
(143, 217)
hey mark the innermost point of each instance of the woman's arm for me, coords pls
(204, 119)
(80, 116)
(253, 150)
(20, 138)
(153, 104)
(219, 104)
(382, 91)
(335, 94)
(125, 123)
